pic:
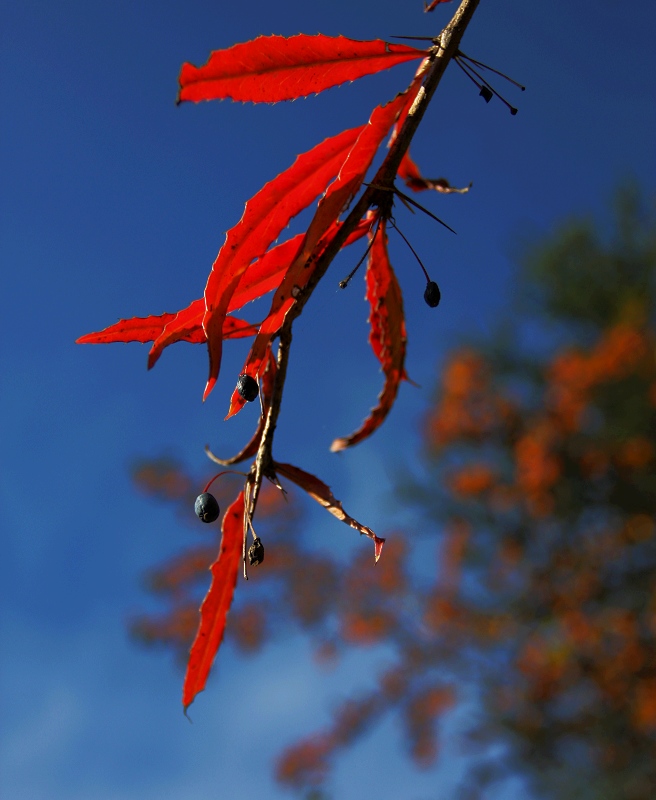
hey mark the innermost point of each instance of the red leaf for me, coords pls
(432, 6)
(148, 329)
(216, 604)
(273, 68)
(409, 172)
(387, 335)
(266, 273)
(137, 329)
(265, 216)
(186, 325)
(320, 492)
(337, 196)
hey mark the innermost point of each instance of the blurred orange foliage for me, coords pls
(540, 475)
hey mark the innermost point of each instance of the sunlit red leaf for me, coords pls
(187, 327)
(216, 604)
(409, 173)
(263, 276)
(387, 335)
(136, 329)
(273, 68)
(320, 492)
(337, 196)
(265, 217)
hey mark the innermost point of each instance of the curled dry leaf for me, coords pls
(273, 68)
(387, 335)
(409, 173)
(320, 492)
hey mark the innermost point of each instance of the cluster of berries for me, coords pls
(206, 506)
(207, 510)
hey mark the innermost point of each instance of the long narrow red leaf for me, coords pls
(265, 216)
(261, 277)
(187, 326)
(136, 329)
(266, 273)
(320, 492)
(148, 329)
(387, 336)
(337, 196)
(216, 604)
(183, 326)
(273, 68)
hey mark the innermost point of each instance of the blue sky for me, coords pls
(114, 204)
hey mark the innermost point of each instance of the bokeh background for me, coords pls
(114, 204)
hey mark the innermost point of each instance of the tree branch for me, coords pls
(445, 47)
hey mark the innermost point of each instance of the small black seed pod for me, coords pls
(486, 94)
(247, 387)
(206, 507)
(432, 294)
(256, 553)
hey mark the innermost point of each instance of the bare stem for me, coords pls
(263, 465)
(445, 49)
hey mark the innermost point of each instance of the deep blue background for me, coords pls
(114, 204)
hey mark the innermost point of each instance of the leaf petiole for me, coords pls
(414, 252)
(345, 282)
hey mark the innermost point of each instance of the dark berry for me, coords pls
(486, 94)
(206, 507)
(432, 294)
(256, 553)
(247, 387)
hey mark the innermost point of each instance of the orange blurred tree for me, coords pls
(539, 481)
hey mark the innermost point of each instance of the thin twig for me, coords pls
(412, 249)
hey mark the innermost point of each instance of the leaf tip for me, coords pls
(378, 547)
(208, 388)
